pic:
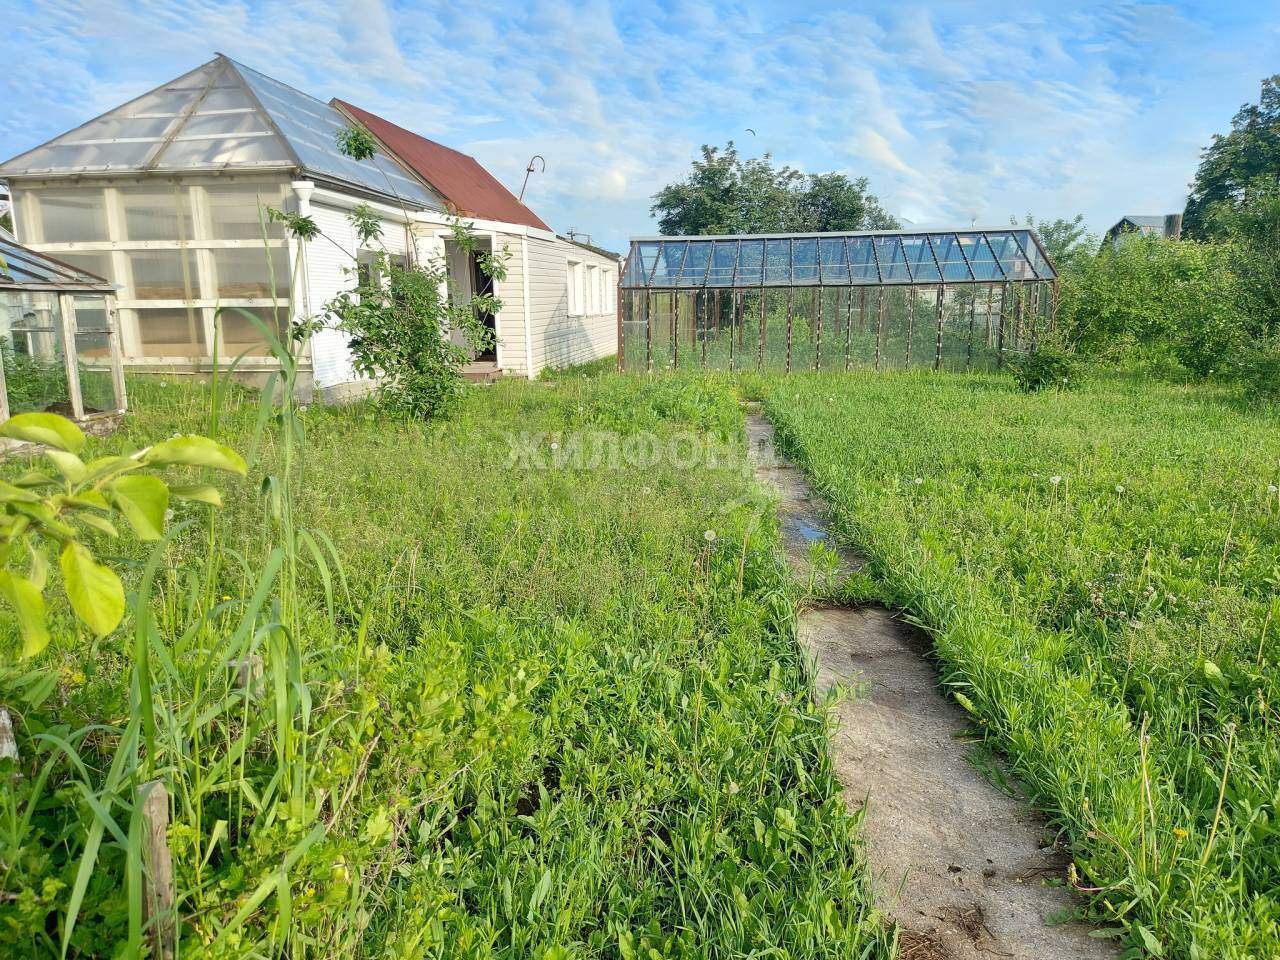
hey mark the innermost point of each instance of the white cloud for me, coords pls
(953, 112)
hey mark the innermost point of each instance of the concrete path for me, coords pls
(963, 867)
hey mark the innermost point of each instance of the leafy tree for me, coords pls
(1066, 241)
(1238, 165)
(724, 193)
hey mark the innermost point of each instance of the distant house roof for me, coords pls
(23, 269)
(1166, 225)
(221, 115)
(460, 179)
(591, 246)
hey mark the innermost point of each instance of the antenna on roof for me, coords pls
(528, 170)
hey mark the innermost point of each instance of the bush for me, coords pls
(1048, 366)
(1154, 295)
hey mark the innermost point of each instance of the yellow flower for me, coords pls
(1179, 833)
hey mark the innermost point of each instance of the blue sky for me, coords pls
(957, 112)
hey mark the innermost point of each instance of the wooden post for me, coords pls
(790, 301)
(848, 325)
(157, 865)
(1004, 297)
(817, 342)
(911, 322)
(973, 319)
(675, 330)
(8, 743)
(760, 345)
(942, 300)
(116, 353)
(705, 311)
(67, 310)
(647, 309)
(879, 323)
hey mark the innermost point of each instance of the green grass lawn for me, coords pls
(505, 712)
(1101, 575)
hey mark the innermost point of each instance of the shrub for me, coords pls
(1048, 366)
(1257, 370)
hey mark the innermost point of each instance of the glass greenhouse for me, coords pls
(945, 299)
(58, 338)
(165, 196)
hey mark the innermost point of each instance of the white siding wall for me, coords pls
(329, 271)
(558, 338)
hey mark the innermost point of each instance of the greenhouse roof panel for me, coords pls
(23, 269)
(222, 115)
(856, 258)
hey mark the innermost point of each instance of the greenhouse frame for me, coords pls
(954, 299)
(58, 338)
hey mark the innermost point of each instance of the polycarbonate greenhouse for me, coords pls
(958, 300)
(58, 338)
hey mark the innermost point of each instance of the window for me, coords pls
(238, 333)
(575, 290)
(71, 215)
(163, 275)
(234, 210)
(244, 273)
(593, 290)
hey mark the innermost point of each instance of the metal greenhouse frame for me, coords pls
(824, 300)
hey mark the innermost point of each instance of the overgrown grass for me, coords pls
(1100, 571)
(503, 712)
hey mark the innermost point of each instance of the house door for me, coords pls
(482, 286)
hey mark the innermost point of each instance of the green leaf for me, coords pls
(28, 604)
(196, 451)
(143, 501)
(11, 494)
(39, 575)
(95, 592)
(99, 523)
(1213, 673)
(47, 428)
(69, 465)
(107, 466)
(90, 499)
(204, 492)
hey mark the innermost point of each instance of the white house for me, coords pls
(164, 197)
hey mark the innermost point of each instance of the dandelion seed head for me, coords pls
(1119, 488)
(919, 480)
(709, 536)
(1272, 488)
(1055, 479)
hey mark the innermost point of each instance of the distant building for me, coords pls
(1168, 226)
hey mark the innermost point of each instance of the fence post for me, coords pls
(942, 300)
(158, 868)
(879, 323)
(790, 302)
(760, 345)
(911, 322)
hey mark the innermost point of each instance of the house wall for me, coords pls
(562, 331)
(330, 267)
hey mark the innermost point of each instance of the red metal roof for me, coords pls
(460, 179)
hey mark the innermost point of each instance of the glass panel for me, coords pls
(159, 275)
(1032, 250)
(311, 127)
(775, 333)
(862, 259)
(224, 151)
(947, 249)
(957, 318)
(99, 264)
(72, 215)
(238, 333)
(221, 124)
(750, 262)
(1016, 266)
(633, 329)
(830, 346)
(804, 255)
(31, 344)
(694, 270)
(661, 318)
(246, 273)
(834, 267)
(234, 210)
(981, 260)
(160, 212)
(862, 328)
(225, 98)
(893, 334)
(93, 355)
(920, 259)
(724, 257)
(177, 333)
(777, 264)
(804, 325)
(922, 325)
(667, 267)
(986, 329)
(893, 265)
